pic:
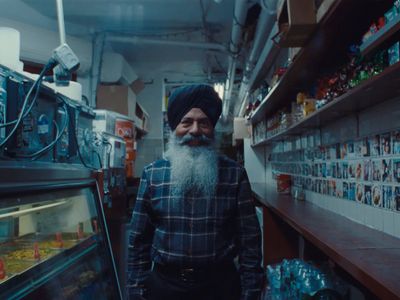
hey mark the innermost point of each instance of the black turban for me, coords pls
(184, 98)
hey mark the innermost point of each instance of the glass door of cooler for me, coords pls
(54, 245)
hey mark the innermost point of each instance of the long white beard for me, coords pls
(193, 169)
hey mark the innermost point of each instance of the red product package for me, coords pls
(283, 183)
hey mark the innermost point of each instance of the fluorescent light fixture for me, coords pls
(219, 88)
(31, 210)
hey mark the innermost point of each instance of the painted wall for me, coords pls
(149, 148)
(40, 52)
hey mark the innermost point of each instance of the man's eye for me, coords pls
(204, 124)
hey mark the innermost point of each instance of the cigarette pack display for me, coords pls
(387, 197)
(365, 150)
(359, 170)
(377, 195)
(333, 169)
(343, 151)
(376, 170)
(333, 151)
(339, 189)
(374, 144)
(367, 170)
(358, 148)
(396, 141)
(359, 193)
(352, 169)
(332, 187)
(386, 144)
(352, 191)
(396, 170)
(350, 149)
(345, 190)
(345, 170)
(368, 194)
(339, 170)
(386, 170)
(322, 169)
(324, 187)
(397, 198)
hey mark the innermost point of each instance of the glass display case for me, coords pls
(53, 238)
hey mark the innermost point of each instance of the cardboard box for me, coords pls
(296, 21)
(118, 98)
(240, 129)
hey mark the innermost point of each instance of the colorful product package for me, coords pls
(394, 53)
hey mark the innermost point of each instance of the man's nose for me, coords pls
(195, 129)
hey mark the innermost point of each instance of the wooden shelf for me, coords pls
(326, 50)
(375, 90)
(369, 256)
(381, 36)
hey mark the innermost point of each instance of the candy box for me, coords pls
(391, 14)
(394, 53)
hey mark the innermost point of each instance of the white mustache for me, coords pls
(202, 139)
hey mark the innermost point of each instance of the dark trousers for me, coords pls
(221, 285)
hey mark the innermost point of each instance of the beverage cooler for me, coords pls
(53, 239)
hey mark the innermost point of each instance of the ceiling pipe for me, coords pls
(141, 40)
(242, 108)
(239, 18)
(264, 63)
(264, 26)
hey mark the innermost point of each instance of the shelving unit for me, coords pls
(295, 229)
(381, 36)
(383, 86)
(323, 52)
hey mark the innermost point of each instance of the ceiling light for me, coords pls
(219, 88)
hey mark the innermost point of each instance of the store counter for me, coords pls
(293, 228)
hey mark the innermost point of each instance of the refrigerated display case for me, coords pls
(54, 242)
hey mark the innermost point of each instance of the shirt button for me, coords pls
(191, 225)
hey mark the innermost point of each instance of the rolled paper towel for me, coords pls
(10, 49)
(72, 91)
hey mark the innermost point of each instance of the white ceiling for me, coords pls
(191, 21)
(177, 20)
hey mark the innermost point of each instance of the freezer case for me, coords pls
(53, 239)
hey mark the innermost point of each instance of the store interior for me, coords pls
(310, 108)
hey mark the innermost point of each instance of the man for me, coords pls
(194, 214)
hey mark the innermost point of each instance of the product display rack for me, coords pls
(323, 52)
(379, 88)
(378, 38)
(366, 257)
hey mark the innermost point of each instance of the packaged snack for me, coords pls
(283, 183)
(391, 14)
(394, 54)
(381, 22)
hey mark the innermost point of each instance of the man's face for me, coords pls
(196, 123)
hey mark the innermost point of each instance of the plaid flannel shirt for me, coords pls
(195, 231)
